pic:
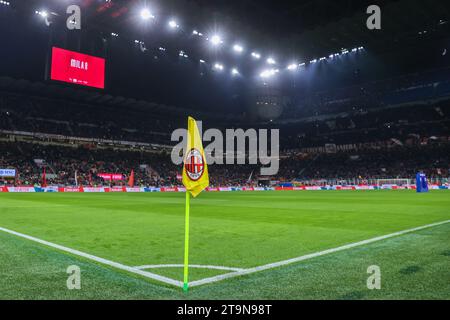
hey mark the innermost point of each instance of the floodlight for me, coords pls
(268, 73)
(218, 66)
(238, 48)
(173, 24)
(216, 40)
(271, 61)
(234, 72)
(256, 55)
(146, 14)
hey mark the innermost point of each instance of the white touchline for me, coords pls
(194, 266)
(97, 259)
(239, 272)
(309, 256)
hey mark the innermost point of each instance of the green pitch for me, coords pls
(229, 230)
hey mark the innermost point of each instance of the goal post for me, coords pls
(394, 182)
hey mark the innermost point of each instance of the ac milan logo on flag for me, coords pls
(194, 164)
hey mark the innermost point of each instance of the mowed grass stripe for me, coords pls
(231, 229)
(413, 267)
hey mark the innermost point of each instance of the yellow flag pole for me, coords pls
(186, 245)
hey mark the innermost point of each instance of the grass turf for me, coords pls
(228, 229)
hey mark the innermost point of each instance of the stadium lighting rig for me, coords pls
(256, 55)
(196, 33)
(216, 40)
(218, 67)
(173, 24)
(271, 60)
(268, 73)
(43, 13)
(146, 14)
(293, 66)
(5, 3)
(183, 54)
(238, 48)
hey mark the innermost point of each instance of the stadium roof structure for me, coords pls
(306, 29)
(178, 67)
(82, 95)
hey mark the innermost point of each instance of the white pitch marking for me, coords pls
(309, 256)
(227, 275)
(195, 266)
(97, 259)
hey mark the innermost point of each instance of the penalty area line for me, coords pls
(97, 259)
(309, 256)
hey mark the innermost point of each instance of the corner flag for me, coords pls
(195, 169)
(195, 179)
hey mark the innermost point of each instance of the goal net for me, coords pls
(394, 182)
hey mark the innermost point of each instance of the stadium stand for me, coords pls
(355, 134)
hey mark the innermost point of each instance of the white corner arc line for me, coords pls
(194, 266)
(309, 256)
(97, 259)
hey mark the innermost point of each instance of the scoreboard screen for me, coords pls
(77, 68)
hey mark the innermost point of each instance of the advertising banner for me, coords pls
(212, 189)
(7, 173)
(111, 176)
(93, 189)
(21, 189)
(170, 189)
(70, 189)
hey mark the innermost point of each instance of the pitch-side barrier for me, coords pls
(27, 189)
